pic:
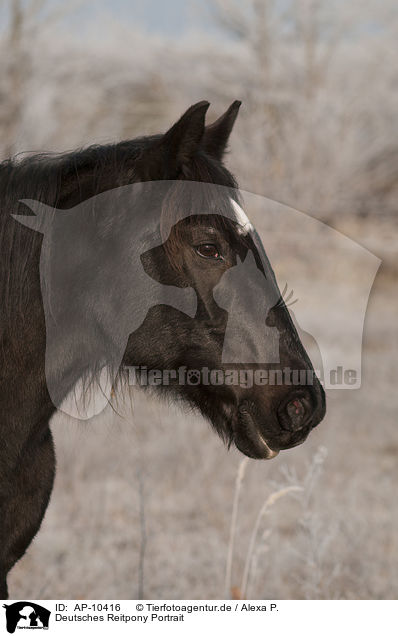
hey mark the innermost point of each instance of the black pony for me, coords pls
(73, 304)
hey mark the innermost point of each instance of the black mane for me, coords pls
(62, 180)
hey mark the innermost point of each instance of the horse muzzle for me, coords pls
(261, 432)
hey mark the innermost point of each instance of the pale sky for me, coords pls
(163, 16)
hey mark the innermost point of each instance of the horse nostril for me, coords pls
(296, 413)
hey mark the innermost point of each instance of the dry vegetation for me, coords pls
(318, 131)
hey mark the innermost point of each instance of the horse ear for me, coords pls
(216, 135)
(183, 139)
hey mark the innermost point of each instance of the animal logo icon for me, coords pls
(26, 615)
(193, 377)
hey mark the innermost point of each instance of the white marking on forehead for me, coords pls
(241, 218)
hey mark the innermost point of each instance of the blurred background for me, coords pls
(143, 501)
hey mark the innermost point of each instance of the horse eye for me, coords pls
(209, 250)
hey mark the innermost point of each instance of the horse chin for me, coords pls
(260, 451)
(249, 440)
(269, 453)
